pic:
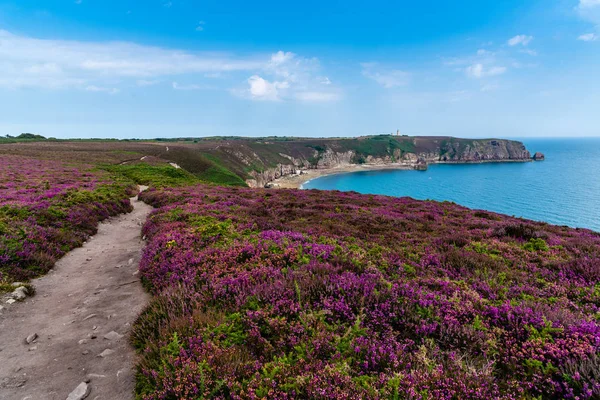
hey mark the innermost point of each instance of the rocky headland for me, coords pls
(347, 155)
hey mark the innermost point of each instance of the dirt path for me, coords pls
(80, 311)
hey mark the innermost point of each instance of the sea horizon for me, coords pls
(564, 184)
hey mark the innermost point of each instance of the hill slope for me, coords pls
(256, 162)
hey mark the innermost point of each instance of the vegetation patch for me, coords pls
(154, 175)
(47, 208)
(309, 294)
(217, 173)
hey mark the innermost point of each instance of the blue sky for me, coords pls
(165, 68)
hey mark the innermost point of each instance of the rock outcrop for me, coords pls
(483, 150)
(421, 165)
(332, 159)
(539, 156)
(261, 179)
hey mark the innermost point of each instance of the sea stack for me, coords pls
(539, 156)
(421, 164)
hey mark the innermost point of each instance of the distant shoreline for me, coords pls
(297, 181)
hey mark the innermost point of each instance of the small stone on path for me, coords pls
(106, 353)
(81, 392)
(19, 293)
(112, 336)
(31, 338)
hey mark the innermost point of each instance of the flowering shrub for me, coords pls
(329, 295)
(47, 208)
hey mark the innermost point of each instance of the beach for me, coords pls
(296, 181)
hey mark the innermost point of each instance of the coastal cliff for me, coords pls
(389, 151)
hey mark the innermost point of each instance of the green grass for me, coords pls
(155, 176)
(218, 174)
(167, 176)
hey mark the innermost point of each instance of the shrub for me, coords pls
(308, 294)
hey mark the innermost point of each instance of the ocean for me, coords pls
(563, 190)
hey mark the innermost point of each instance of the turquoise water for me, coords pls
(563, 190)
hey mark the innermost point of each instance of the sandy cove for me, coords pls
(296, 181)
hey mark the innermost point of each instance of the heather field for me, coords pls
(282, 294)
(49, 207)
(327, 295)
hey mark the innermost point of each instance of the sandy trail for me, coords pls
(91, 292)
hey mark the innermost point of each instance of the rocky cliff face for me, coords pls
(480, 150)
(261, 179)
(418, 154)
(332, 159)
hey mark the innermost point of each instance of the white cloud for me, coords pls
(261, 89)
(523, 40)
(588, 37)
(482, 56)
(589, 10)
(103, 66)
(289, 77)
(475, 71)
(479, 71)
(292, 68)
(281, 57)
(168, 4)
(200, 26)
(589, 3)
(62, 64)
(388, 78)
